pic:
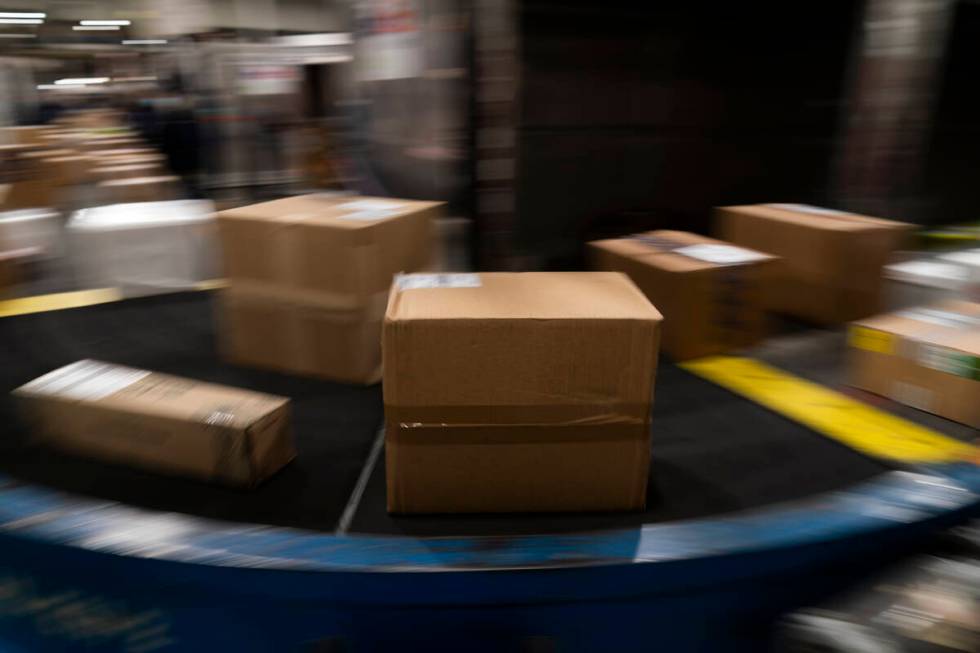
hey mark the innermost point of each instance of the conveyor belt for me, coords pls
(714, 452)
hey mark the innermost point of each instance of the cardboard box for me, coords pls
(518, 392)
(309, 276)
(29, 195)
(831, 267)
(925, 357)
(24, 134)
(160, 422)
(140, 189)
(709, 292)
(127, 171)
(315, 334)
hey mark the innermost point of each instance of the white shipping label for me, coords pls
(457, 280)
(371, 205)
(85, 380)
(368, 215)
(721, 254)
(940, 317)
(808, 208)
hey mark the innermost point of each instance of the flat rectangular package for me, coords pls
(521, 392)
(160, 422)
(710, 292)
(926, 357)
(309, 278)
(831, 261)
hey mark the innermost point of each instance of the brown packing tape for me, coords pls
(583, 414)
(503, 434)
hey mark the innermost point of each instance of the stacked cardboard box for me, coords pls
(139, 189)
(926, 357)
(709, 292)
(160, 422)
(309, 279)
(518, 392)
(831, 267)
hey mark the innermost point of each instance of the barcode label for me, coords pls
(85, 380)
(458, 280)
(720, 254)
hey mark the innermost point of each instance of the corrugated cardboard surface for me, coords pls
(530, 392)
(140, 189)
(927, 357)
(316, 242)
(161, 422)
(309, 278)
(831, 267)
(708, 308)
(306, 333)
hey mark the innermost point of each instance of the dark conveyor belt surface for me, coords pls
(713, 451)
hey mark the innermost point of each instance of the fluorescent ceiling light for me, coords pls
(72, 81)
(47, 87)
(104, 22)
(94, 28)
(21, 21)
(144, 42)
(22, 14)
(18, 36)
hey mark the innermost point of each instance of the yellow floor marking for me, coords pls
(77, 299)
(58, 301)
(855, 424)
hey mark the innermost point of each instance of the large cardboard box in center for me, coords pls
(309, 278)
(831, 261)
(521, 392)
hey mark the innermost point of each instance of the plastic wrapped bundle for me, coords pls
(144, 247)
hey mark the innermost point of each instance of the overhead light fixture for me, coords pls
(22, 14)
(48, 87)
(18, 36)
(76, 81)
(145, 42)
(105, 22)
(21, 21)
(94, 28)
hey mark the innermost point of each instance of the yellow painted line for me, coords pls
(851, 422)
(58, 301)
(78, 299)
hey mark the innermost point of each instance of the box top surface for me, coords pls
(152, 393)
(817, 217)
(524, 295)
(342, 212)
(954, 324)
(681, 251)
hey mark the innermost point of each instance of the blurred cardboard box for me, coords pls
(831, 267)
(28, 195)
(926, 357)
(160, 422)
(709, 292)
(518, 392)
(24, 135)
(309, 278)
(128, 171)
(139, 189)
